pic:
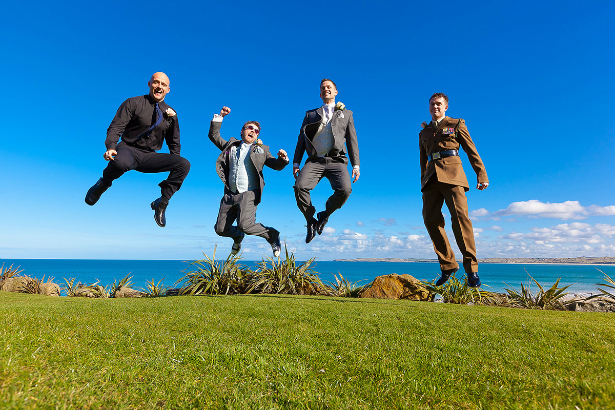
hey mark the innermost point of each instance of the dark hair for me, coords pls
(251, 122)
(326, 79)
(439, 95)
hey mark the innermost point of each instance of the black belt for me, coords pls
(443, 154)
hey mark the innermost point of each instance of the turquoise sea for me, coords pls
(582, 278)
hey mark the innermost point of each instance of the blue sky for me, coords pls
(533, 80)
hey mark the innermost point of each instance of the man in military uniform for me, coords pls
(443, 180)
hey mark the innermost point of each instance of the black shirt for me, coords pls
(134, 117)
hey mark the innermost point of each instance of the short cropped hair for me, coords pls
(251, 122)
(326, 79)
(439, 95)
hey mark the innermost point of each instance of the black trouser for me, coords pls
(311, 174)
(129, 158)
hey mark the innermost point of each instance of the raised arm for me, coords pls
(214, 128)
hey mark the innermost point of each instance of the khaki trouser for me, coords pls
(434, 195)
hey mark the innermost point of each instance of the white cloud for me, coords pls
(359, 223)
(328, 230)
(387, 221)
(566, 233)
(537, 209)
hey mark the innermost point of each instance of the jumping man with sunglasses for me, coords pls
(240, 167)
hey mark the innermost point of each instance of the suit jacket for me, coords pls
(259, 155)
(342, 125)
(449, 170)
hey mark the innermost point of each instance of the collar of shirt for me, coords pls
(438, 122)
(328, 107)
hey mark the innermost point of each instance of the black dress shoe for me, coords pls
(159, 206)
(276, 246)
(95, 192)
(311, 230)
(473, 280)
(322, 221)
(237, 244)
(446, 274)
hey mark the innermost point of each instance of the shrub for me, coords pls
(456, 291)
(606, 295)
(549, 299)
(287, 277)
(117, 286)
(6, 273)
(344, 288)
(209, 276)
(153, 289)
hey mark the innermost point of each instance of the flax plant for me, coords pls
(456, 291)
(117, 286)
(286, 276)
(6, 273)
(342, 287)
(605, 294)
(153, 289)
(552, 298)
(208, 276)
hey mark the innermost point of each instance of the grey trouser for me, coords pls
(311, 174)
(241, 207)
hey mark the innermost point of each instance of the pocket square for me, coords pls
(340, 114)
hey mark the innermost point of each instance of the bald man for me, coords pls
(142, 123)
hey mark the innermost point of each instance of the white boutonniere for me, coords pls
(339, 109)
(257, 146)
(170, 113)
(423, 124)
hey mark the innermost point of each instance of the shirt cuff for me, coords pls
(217, 118)
(295, 165)
(356, 167)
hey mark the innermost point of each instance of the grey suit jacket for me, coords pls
(259, 155)
(342, 125)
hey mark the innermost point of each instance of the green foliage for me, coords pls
(456, 291)
(287, 277)
(605, 294)
(343, 287)
(208, 276)
(153, 289)
(6, 273)
(117, 286)
(94, 290)
(552, 298)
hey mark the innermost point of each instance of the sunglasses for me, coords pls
(253, 128)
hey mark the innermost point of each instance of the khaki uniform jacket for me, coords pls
(259, 154)
(449, 170)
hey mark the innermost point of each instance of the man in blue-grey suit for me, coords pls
(323, 134)
(240, 167)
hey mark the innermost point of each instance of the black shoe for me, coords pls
(159, 206)
(311, 230)
(95, 192)
(276, 246)
(473, 280)
(446, 274)
(237, 244)
(322, 221)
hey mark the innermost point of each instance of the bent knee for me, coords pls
(344, 192)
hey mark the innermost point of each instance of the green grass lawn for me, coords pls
(269, 352)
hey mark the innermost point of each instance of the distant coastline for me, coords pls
(582, 260)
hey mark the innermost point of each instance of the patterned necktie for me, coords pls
(327, 114)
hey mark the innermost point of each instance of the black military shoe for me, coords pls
(446, 274)
(322, 221)
(473, 280)
(311, 230)
(159, 206)
(95, 192)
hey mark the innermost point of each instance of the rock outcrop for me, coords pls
(396, 286)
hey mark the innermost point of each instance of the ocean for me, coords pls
(495, 277)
